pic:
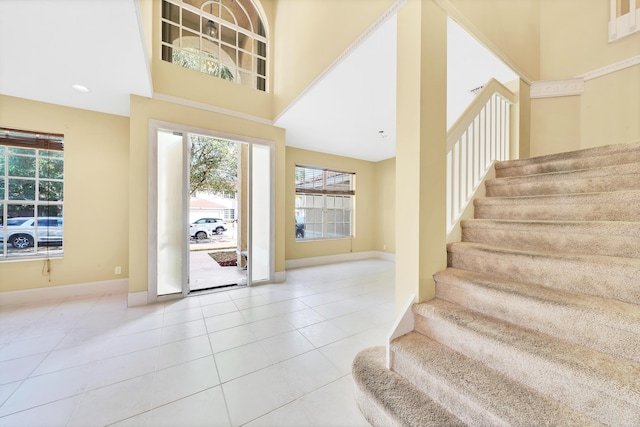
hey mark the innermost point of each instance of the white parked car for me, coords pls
(21, 231)
(204, 228)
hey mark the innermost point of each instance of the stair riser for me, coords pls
(569, 164)
(472, 391)
(560, 212)
(593, 399)
(593, 329)
(585, 154)
(537, 238)
(373, 411)
(574, 186)
(387, 399)
(606, 278)
(445, 395)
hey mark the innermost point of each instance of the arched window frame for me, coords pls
(217, 44)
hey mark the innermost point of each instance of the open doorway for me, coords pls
(245, 236)
(216, 181)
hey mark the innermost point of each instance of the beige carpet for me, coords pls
(536, 320)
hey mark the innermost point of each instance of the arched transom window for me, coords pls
(222, 38)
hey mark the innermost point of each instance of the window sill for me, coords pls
(24, 258)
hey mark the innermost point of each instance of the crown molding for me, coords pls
(629, 62)
(575, 86)
(556, 88)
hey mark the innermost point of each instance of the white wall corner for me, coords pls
(280, 276)
(137, 298)
(403, 325)
(557, 88)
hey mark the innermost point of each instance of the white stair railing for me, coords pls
(479, 137)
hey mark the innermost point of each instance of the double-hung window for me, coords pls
(325, 201)
(31, 194)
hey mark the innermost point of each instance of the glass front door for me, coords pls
(169, 235)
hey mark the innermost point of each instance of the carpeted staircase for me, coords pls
(536, 320)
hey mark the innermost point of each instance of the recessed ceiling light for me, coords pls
(80, 88)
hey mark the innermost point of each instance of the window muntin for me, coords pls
(222, 38)
(324, 203)
(31, 194)
(623, 18)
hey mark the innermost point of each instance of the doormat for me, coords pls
(225, 259)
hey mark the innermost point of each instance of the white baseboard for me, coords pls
(332, 259)
(385, 256)
(63, 291)
(137, 298)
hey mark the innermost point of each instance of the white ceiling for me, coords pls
(46, 46)
(347, 109)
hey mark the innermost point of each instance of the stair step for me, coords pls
(608, 277)
(601, 386)
(608, 178)
(471, 390)
(602, 324)
(609, 206)
(584, 159)
(387, 399)
(587, 237)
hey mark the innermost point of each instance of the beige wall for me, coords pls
(310, 35)
(365, 210)
(143, 110)
(510, 26)
(555, 124)
(385, 184)
(574, 42)
(96, 201)
(610, 109)
(421, 135)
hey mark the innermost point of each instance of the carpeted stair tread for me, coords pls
(602, 324)
(608, 178)
(611, 238)
(540, 302)
(628, 150)
(477, 394)
(601, 386)
(604, 206)
(612, 155)
(388, 399)
(610, 277)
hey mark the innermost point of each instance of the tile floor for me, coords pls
(271, 355)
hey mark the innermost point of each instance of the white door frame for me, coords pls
(152, 261)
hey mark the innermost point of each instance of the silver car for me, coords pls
(21, 231)
(204, 228)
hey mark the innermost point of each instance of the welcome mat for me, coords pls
(225, 259)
